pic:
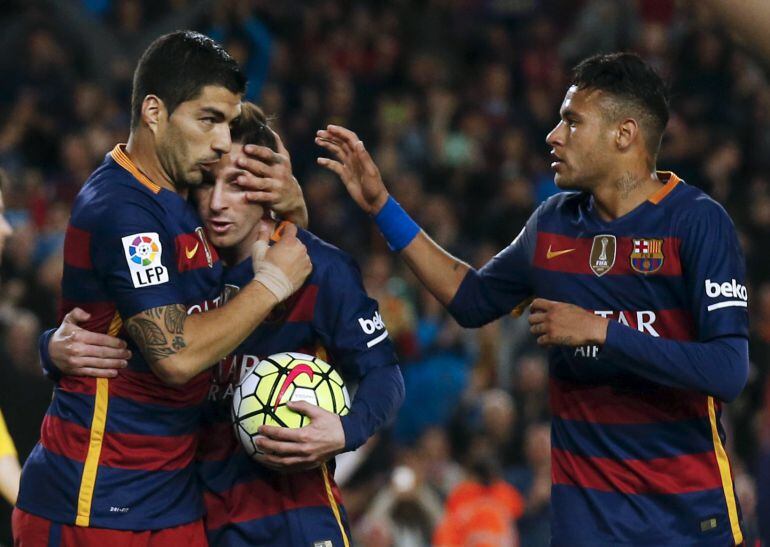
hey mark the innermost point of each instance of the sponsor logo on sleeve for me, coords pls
(733, 290)
(143, 256)
(371, 326)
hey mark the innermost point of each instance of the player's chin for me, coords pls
(219, 241)
(194, 178)
(564, 182)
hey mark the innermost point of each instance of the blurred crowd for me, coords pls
(454, 98)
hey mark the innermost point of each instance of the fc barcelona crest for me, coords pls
(602, 257)
(647, 255)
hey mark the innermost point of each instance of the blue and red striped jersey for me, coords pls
(635, 461)
(330, 316)
(119, 453)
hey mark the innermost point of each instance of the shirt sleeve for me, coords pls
(718, 367)
(714, 270)
(378, 397)
(50, 370)
(134, 255)
(502, 286)
(349, 323)
(356, 338)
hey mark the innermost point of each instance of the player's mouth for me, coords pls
(557, 161)
(219, 226)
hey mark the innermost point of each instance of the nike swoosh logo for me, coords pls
(293, 373)
(553, 254)
(191, 253)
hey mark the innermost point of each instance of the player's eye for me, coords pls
(209, 120)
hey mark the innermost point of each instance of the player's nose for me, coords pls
(216, 199)
(553, 138)
(222, 141)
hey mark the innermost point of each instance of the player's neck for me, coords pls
(624, 192)
(141, 150)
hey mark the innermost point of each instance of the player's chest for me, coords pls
(198, 267)
(635, 278)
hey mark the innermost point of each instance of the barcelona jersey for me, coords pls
(634, 461)
(330, 316)
(119, 453)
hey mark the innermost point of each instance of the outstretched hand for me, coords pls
(285, 449)
(354, 166)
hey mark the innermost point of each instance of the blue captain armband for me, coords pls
(396, 226)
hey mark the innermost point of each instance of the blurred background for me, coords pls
(454, 98)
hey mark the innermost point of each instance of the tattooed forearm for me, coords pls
(175, 317)
(159, 332)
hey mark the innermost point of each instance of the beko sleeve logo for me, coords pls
(370, 326)
(729, 289)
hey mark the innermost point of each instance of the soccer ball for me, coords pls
(260, 397)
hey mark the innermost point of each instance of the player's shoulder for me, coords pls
(560, 207)
(110, 194)
(690, 206)
(326, 258)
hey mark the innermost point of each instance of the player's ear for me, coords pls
(152, 111)
(627, 133)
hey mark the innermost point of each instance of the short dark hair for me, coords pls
(177, 66)
(251, 127)
(632, 82)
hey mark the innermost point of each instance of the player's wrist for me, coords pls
(599, 330)
(274, 280)
(379, 203)
(396, 226)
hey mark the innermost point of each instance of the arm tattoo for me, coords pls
(175, 318)
(159, 332)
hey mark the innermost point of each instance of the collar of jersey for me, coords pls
(121, 158)
(670, 180)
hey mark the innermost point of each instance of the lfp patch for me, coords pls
(143, 256)
(647, 255)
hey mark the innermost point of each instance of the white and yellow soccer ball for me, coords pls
(260, 398)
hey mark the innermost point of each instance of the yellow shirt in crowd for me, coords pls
(7, 447)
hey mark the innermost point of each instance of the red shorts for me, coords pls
(32, 531)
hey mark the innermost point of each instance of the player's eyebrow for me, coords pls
(218, 114)
(232, 178)
(569, 113)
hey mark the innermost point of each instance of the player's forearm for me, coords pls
(379, 396)
(190, 344)
(440, 272)
(718, 367)
(10, 474)
(748, 20)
